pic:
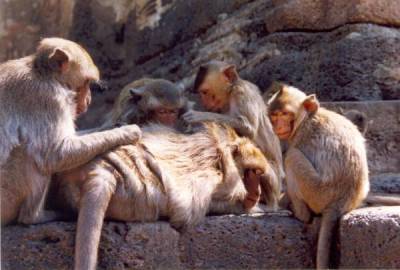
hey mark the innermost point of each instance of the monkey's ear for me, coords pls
(136, 91)
(311, 103)
(230, 73)
(181, 87)
(59, 60)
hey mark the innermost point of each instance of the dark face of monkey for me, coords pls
(213, 82)
(161, 101)
(166, 116)
(288, 108)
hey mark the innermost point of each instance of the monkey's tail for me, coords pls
(329, 221)
(93, 205)
(375, 199)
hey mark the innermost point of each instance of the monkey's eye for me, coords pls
(204, 91)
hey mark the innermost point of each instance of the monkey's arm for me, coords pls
(77, 150)
(308, 179)
(240, 124)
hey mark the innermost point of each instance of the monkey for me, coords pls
(231, 100)
(202, 173)
(40, 97)
(149, 101)
(326, 162)
(358, 118)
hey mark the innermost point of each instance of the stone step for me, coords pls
(368, 237)
(386, 183)
(383, 135)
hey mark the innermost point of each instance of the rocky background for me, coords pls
(345, 51)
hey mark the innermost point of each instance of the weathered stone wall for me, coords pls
(341, 50)
(368, 238)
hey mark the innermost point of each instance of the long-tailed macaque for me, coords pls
(40, 97)
(238, 103)
(325, 164)
(147, 101)
(201, 173)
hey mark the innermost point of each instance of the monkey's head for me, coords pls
(213, 83)
(358, 118)
(161, 101)
(249, 156)
(70, 65)
(288, 108)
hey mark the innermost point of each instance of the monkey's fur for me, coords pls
(40, 97)
(245, 112)
(202, 173)
(326, 164)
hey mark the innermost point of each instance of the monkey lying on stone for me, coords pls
(168, 174)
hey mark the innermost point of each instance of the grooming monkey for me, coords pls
(149, 101)
(40, 97)
(325, 164)
(238, 103)
(202, 172)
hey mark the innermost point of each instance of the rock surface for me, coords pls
(328, 14)
(342, 50)
(368, 237)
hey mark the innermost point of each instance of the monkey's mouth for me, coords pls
(284, 134)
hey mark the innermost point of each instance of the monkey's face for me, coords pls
(288, 108)
(282, 123)
(213, 91)
(166, 116)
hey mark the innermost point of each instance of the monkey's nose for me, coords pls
(99, 86)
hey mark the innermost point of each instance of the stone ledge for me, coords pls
(368, 237)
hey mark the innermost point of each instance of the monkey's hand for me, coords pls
(196, 116)
(251, 182)
(130, 133)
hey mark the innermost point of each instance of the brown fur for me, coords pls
(40, 97)
(241, 106)
(202, 173)
(326, 164)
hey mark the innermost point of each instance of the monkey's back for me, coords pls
(343, 148)
(190, 164)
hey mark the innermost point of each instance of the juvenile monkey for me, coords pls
(40, 97)
(202, 173)
(238, 103)
(149, 101)
(358, 118)
(325, 164)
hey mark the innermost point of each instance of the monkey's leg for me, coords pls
(76, 151)
(299, 207)
(328, 224)
(32, 209)
(97, 192)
